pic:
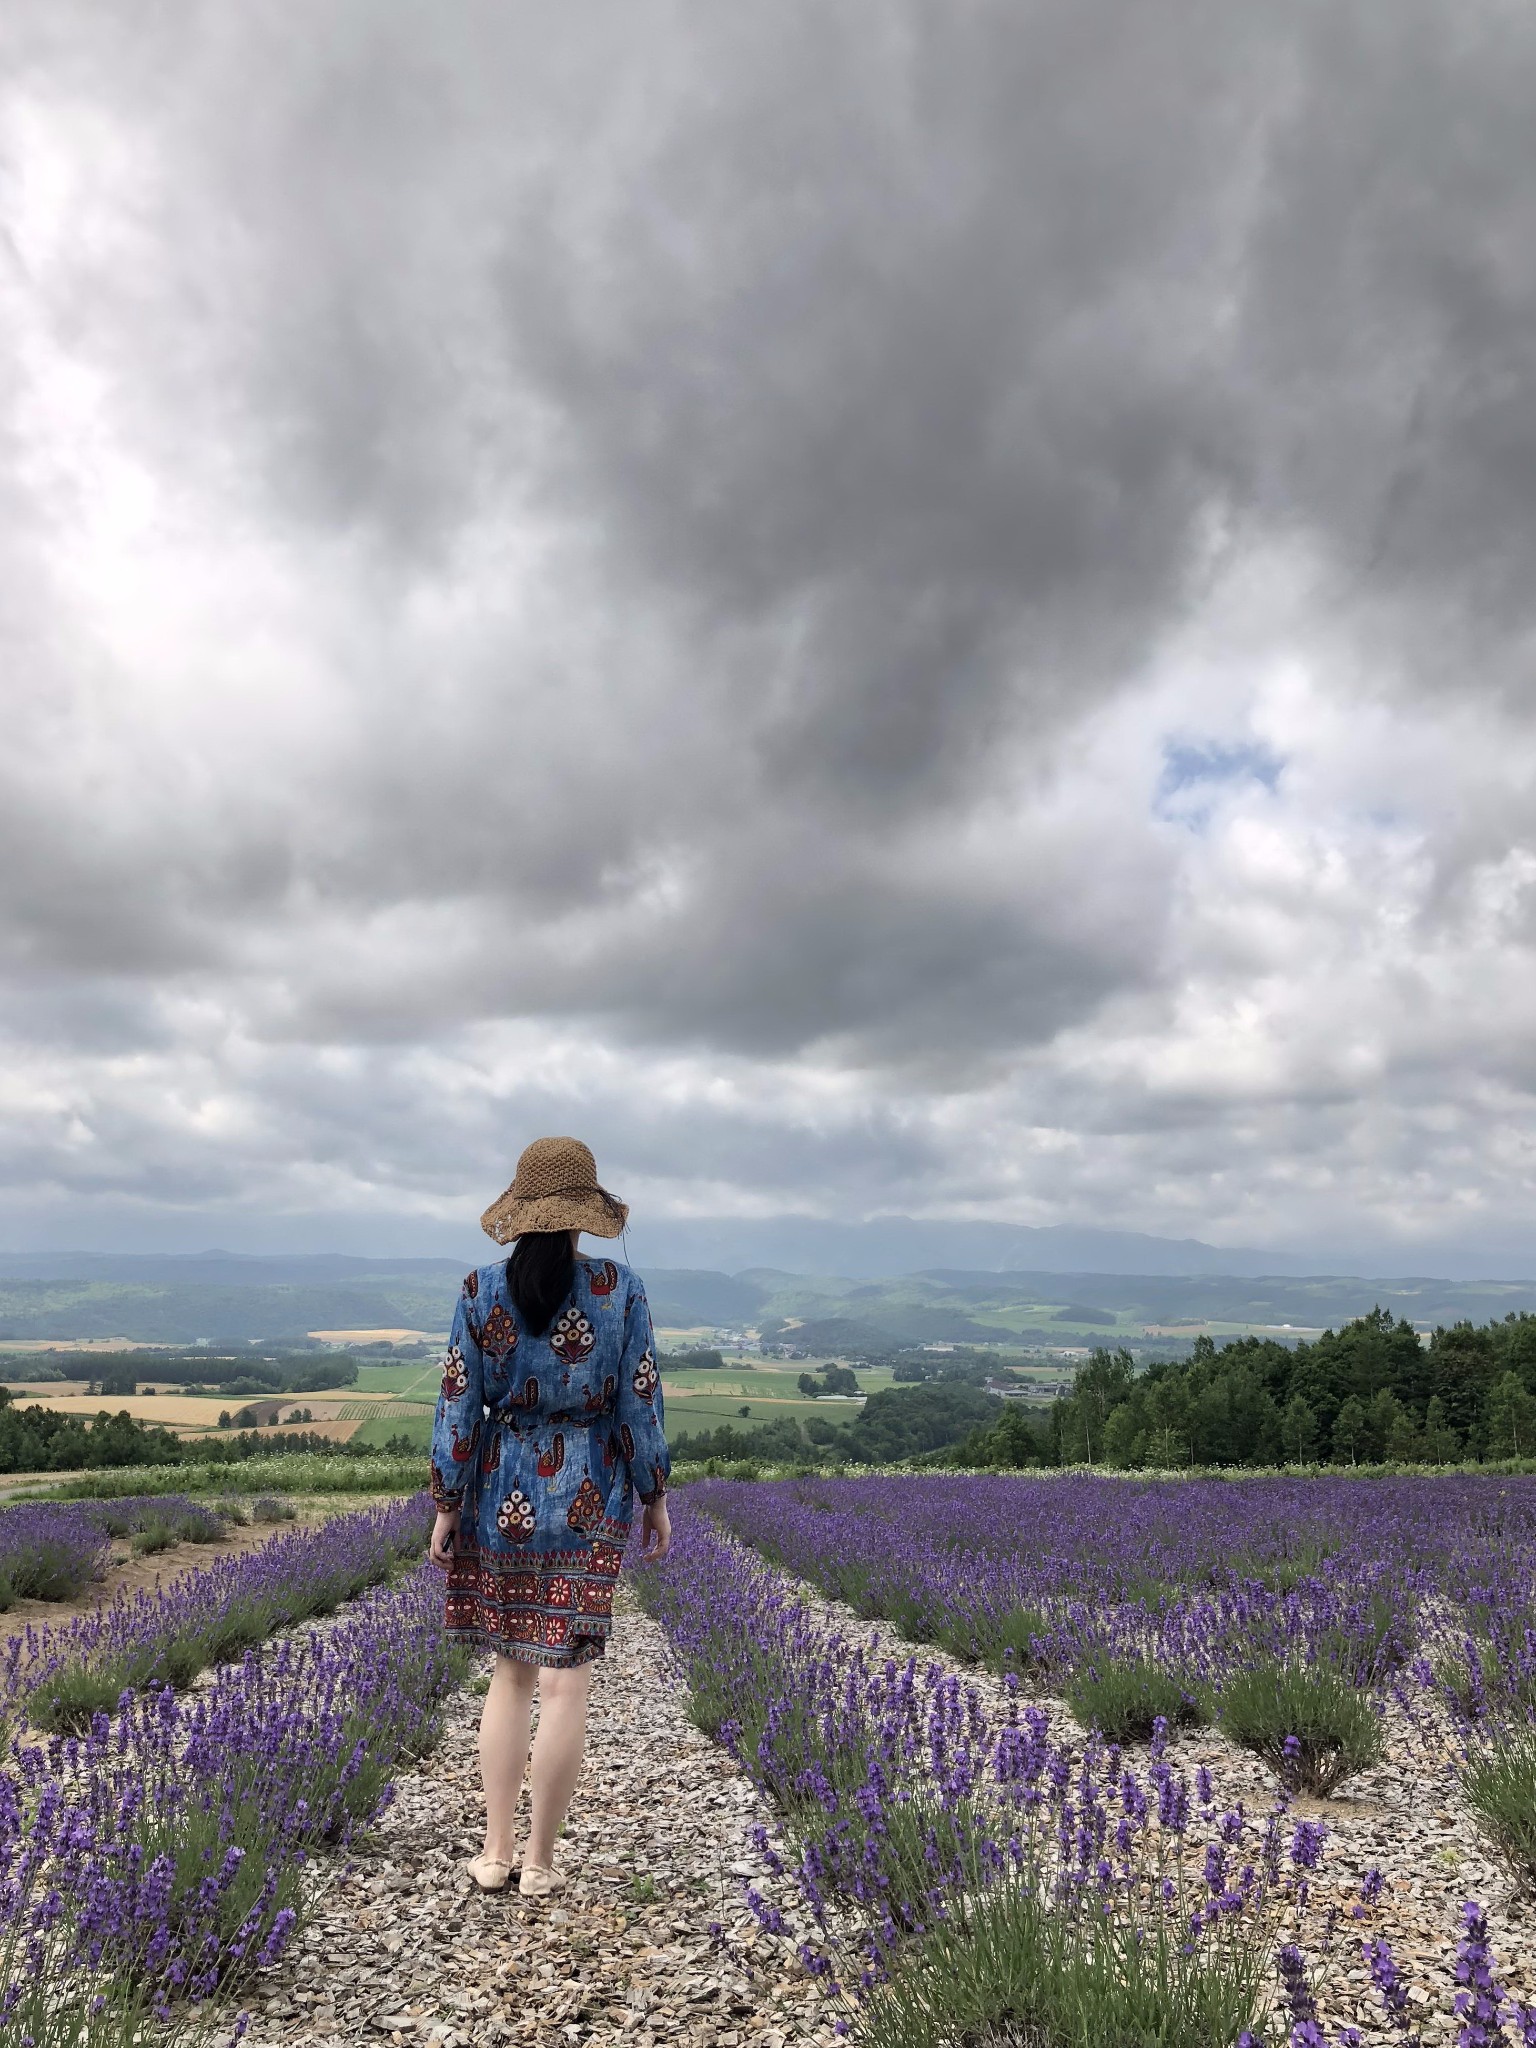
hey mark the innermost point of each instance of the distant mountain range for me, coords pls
(885, 1248)
(892, 1246)
(219, 1296)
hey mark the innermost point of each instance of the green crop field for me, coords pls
(700, 1412)
(721, 1399)
(382, 1425)
(749, 1382)
(412, 1378)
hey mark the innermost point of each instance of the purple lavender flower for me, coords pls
(1307, 1844)
(1479, 2001)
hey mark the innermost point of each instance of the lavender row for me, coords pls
(160, 1855)
(956, 1874)
(1203, 1576)
(62, 1674)
(139, 1514)
(53, 1550)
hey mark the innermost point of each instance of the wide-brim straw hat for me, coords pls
(555, 1188)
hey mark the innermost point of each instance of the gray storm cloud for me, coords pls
(677, 528)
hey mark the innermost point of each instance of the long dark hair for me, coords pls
(539, 1273)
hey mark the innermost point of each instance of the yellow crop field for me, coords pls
(28, 1347)
(183, 1412)
(176, 1411)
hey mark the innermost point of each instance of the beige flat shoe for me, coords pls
(489, 1873)
(538, 1881)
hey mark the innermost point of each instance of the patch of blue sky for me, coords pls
(1193, 773)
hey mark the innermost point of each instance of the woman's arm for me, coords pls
(641, 1422)
(457, 1424)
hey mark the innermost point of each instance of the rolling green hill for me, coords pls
(278, 1301)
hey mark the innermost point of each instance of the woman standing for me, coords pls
(549, 1423)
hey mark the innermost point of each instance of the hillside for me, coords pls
(281, 1300)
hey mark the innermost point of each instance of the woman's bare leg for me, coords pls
(557, 1752)
(504, 1725)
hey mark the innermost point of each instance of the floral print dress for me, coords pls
(542, 1443)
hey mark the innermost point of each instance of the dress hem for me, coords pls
(584, 1649)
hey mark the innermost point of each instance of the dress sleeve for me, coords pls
(456, 1426)
(641, 1428)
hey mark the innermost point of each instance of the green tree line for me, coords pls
(124, 1372)
(1371, 1390)
(895, 1424)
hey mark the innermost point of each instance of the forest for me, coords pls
(1371, 1390)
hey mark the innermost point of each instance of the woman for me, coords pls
(549, 1423)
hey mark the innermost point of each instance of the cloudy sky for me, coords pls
(879, 607)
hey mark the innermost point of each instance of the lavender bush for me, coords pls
(1290, 1609)
(61, 1676)
(54, 1551)
(49, 1553)
(187, 1521)
(1123, 1699)
(1308, 1722)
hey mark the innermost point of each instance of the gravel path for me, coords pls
(651, 1944)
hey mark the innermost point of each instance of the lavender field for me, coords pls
(1068, 1759)
(1038, 1762)
(154, 1832)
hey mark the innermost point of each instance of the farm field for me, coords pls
(759, 1382)
(1268, 1727)
(403, 1378)
(344, 1340)
(383, 1391)
(691, 1410)
(697, 1408)
(183, 1414)
(393, 1421)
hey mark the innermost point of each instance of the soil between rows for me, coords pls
(130, 1573)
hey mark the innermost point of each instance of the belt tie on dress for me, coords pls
(520, 1423)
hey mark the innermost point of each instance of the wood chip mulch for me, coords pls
(652, 1942)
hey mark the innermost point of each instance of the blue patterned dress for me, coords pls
(543, 1442)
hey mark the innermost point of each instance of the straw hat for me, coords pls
(556, 1188)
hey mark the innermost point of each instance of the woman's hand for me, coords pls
(445, 1533)
(655, 1529)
